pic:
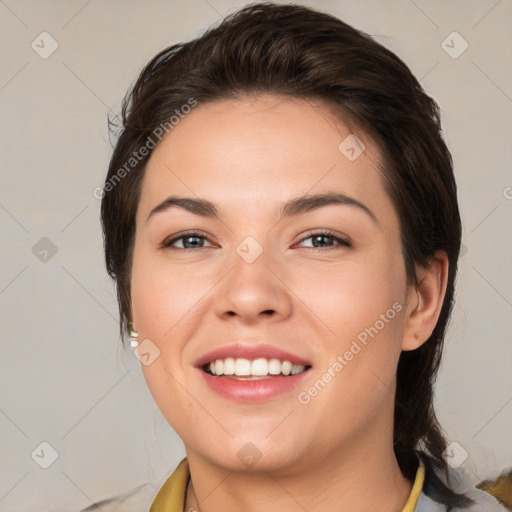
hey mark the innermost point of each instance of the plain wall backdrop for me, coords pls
(65, 379)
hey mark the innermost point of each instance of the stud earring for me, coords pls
(133, 335)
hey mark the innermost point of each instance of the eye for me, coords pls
(194, 240)
(191, 241)
(319, 238)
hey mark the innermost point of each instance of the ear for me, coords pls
(425, 301)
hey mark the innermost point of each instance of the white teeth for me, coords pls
(258, 367)
(229, 366)
(287, 368)
(274, 367)
(242, 367)
(296, 369)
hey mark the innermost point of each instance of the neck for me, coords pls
(359, 477)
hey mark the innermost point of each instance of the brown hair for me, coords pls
(300, 52)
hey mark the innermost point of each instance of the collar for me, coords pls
(172, 494)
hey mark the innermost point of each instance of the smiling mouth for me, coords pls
(255, 369)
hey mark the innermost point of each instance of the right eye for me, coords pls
(191, 241)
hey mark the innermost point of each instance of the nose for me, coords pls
(253, 290)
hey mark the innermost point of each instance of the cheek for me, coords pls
(351, 295)
(160, 301)
(359, 360)
(160, 295)
(362, 303)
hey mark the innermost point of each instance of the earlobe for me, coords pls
(424, 311)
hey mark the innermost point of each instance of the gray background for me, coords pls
(65, 378)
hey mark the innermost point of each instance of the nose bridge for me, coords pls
(250, 249)
(252, 287)
(251, 263)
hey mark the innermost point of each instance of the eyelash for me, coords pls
(329, 234)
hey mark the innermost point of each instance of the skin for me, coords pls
(249, 156)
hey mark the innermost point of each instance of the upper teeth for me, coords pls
(258, 367)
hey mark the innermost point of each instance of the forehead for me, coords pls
(256, 153)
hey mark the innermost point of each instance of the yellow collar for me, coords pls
(172, 494)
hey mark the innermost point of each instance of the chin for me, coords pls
(256, 455)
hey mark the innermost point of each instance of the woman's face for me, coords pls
(260, 282)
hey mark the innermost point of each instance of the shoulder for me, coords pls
(168, 495)
(135, 500)
(457, 495)
(481, 502)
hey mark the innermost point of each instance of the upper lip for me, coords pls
(251, 351)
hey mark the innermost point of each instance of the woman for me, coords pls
(280, 217)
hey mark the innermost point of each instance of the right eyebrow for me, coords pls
(196, 206)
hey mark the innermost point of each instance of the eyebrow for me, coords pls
(293, 207)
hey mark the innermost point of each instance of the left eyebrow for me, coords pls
(293, 207)
(306, 203)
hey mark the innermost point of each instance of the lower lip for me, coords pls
(252, 390)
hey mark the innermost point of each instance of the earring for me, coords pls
(133, 335)
(416, 335)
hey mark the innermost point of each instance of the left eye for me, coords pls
(318, 237)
